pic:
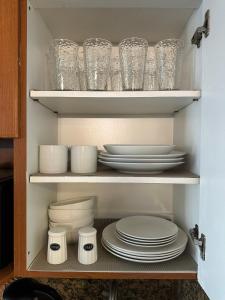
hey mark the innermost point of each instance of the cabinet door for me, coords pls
(212, 204)
(9, 49)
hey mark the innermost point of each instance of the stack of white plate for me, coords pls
(72, 214)
(141, 159)
(144, 239)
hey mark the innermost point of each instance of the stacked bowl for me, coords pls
(144, 239)
(72, 214)
(141, 159)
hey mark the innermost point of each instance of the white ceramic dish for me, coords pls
(145, 244)
(75, 224)
(146, 227)
(152, 241)
(141, 168)
(109, 237)
(128, 258)
(132, 149)
(67, 216)
(143, 256)
(173, 154)
(75, 203)
(141, 160)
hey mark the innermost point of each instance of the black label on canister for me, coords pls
(54, 247)
(88, 247)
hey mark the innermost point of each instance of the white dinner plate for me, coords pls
(143, 256)
(129, 242)
(173, 154)
(141, 160)
(141, 168)
(146, 227)
(138, 149)
(128, 258)
(153, 241)
(109, 237)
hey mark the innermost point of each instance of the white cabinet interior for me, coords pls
(115, 198)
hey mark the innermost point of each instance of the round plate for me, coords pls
(141, 167)
(141, 160)
(108, 236)
(152, 241)
(140, 260)
(138, 149)
(146, 227)
(173, 154)
(149, 245)
(143, 256)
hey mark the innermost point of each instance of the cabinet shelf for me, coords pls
(109, 266)
(110, 103)
(111, 176)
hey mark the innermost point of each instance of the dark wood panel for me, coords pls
(20, 161)
(6, 274)
(9, 68)
(103, 275)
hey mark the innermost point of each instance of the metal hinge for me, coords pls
(199, 241)
(202, 30)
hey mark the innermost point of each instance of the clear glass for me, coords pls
(63, 60)
(82, 75)
(150, 75)
(133, 53)
(115, 75)
(97, 53)
(166, 56)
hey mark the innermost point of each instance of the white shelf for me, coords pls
(182, 267)
(111, 176)
(104, 103)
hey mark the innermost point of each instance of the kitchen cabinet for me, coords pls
(191, 118)
(9, 70)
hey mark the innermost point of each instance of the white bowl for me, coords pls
(68, 215)
(75, 203)
(75, 224)
(71, 232)
(135, 149)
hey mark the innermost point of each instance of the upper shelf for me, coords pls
(104, 103)
(111, 176)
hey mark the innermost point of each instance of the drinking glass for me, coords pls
(63, 57)
(115, 74)
(150, 75)
(82, 75)
(97, 54)
(166, 56)
(133, 53)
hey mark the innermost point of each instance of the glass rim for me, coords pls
(64, 40)
(145, 41)
(179, 42)
(97, 39)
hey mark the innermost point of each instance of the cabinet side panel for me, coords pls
(117, 200)
(187, 132)
(41, 129)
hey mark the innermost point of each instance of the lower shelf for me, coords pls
(109, 266)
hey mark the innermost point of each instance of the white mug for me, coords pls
(83, 159)
(53, 159)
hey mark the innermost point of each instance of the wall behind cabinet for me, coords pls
(117, 200)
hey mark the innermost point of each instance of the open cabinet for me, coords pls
(183, 117)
